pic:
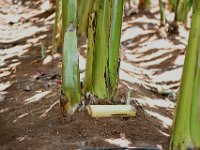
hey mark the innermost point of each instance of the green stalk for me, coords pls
(195, 110)
(72, 12)
(57, 26)
(101, 49)
(69, 8)
(173, 5)
(114, 43)
(183, 8)
(70, 66)
(195, 107)
(162, 13)
(64, 17)
(81, 6)
(83, 18)
(181, 138)
(90, 54)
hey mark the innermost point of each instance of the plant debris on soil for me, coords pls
(151, 64)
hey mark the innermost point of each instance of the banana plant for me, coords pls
(114, 44)
(57, 27)
(181, 9)
(101, 48)
(173, 5)
(162, 13)
(70, 97)
(186, 123)
(88, 83)
(84, 9)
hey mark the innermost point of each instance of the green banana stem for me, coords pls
(83, 17)
(173, 5)
(195, 110)
(181, 131)
(195, 107)
(64, 17)
(72, 12)
(69, 8)
(90, 54)
(70, 66)
(162, 13)
(81, 7)
(182, 11)
(114, 43)
(101, 49)
(57, 26)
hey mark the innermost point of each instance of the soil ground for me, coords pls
(151, 64)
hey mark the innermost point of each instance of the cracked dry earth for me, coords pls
(151, 62)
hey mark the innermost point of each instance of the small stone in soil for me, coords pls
(47, 60)
(2, 97)
(27, 88)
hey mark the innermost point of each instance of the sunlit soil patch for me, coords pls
(167, 122)
(37, 97)
(19, 117)
(4, 86)
(122, 142)
(48, 110)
